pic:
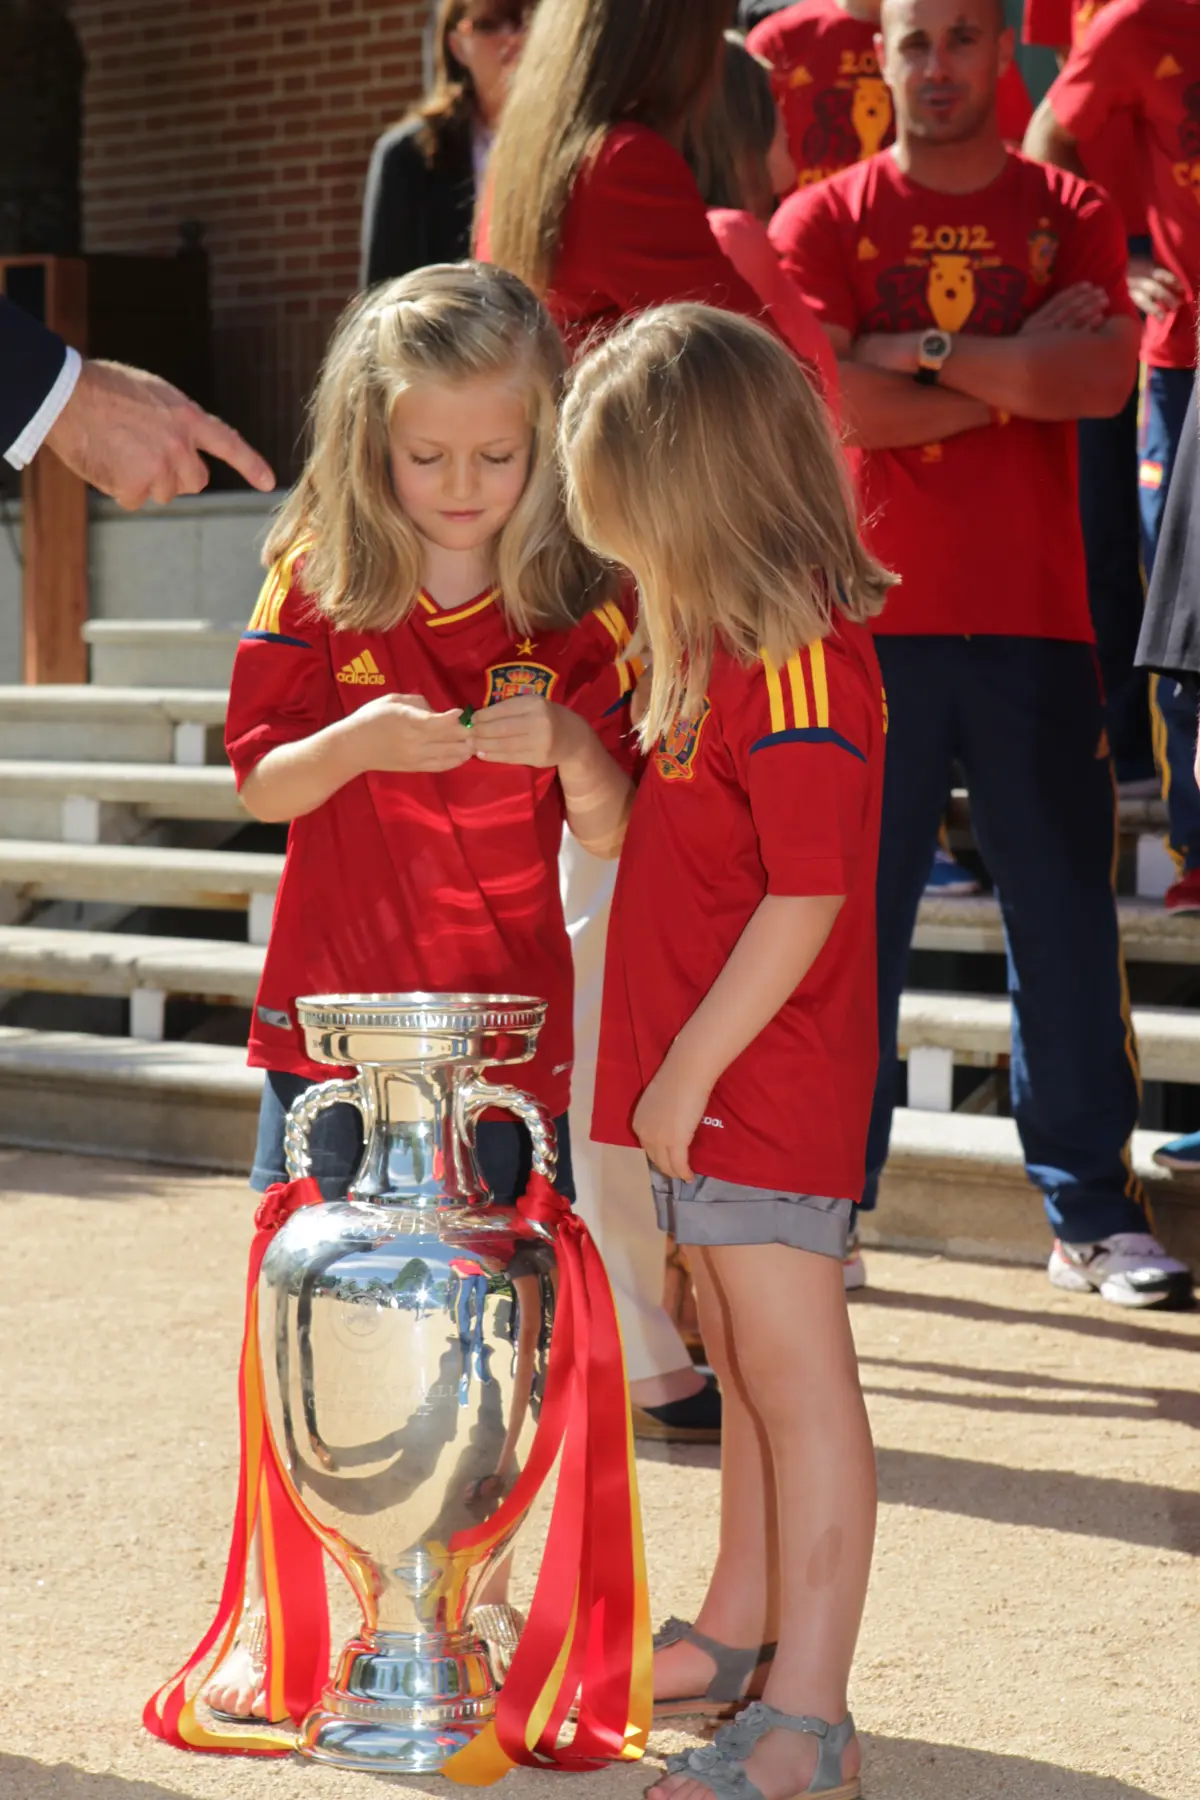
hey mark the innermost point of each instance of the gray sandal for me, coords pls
(718, 1766)
(726, 1691)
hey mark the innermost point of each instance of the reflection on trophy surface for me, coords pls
(409, 1326)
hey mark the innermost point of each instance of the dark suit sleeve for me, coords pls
(1170, 640)
(31, 359)
(395, 210)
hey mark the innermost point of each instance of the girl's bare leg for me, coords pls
(742, 1604)
(794, 1354)
(238, 1685)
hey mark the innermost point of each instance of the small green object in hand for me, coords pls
(467, 715)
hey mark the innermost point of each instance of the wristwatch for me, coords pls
(932, 351)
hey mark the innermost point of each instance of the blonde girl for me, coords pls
(738, 1038)
(425, 692)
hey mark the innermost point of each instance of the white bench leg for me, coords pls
(262, 908)
(147, 1013)
(1156, 871)
(931, 1079)
(191, 745)
(80, 820)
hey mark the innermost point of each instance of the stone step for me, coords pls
(174, 653)
(195, 1104)
(129, 724)
(144, 969)
(977, 1030)
(102, 802)
(138, 875)
(955, 1185)
(973, 924)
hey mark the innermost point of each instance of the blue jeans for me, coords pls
(1024, 717)
(502, 1146)
(1165, 396)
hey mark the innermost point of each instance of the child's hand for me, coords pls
(666, 1117)
(400, 734)
(526, 730)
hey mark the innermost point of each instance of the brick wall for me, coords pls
(257, 120)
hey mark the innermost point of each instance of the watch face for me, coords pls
(935, 345)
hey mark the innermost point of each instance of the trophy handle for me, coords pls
(302, 1113)
(474, 1097)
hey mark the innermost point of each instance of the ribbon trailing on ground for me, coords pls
(293, 1570)
(589, 1625)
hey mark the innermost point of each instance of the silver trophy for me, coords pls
(409, 1325)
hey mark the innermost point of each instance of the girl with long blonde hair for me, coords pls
(432, 682)
(738, 1039)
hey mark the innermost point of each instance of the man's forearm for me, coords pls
(893, 412)
(1059, 375)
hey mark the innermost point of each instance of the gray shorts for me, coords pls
(709, 1210)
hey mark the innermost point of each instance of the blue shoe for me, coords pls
(1181, 1154)
(948, 877)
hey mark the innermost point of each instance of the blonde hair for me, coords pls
(450, 322)
(588, 65)
(728, 150)
(698, 455)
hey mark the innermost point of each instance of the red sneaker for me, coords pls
(1184, 896)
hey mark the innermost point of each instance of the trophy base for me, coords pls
(400, 1704)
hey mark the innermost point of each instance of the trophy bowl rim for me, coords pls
(423, 1010)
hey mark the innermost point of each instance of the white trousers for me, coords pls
(612, 1185)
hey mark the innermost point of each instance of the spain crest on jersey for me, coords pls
(508, 681)
(676, 749)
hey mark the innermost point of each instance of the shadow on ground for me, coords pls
(897, 1769)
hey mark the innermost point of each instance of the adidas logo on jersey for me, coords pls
(362, 672)
(1166, 68)
(866, 249)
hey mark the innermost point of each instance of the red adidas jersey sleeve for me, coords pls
(599, 685)
(804, 744)
(282, 688)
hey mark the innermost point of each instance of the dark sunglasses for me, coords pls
(501, 19)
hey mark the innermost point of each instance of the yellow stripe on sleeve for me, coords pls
(795, 669)
(605, 615)
(774, 694)
(816, 658)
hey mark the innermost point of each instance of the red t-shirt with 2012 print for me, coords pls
(982, 528)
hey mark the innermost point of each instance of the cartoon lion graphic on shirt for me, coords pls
(871, 113)
(849, 123)
(949, 291)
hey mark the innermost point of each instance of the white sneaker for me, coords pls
(1131, 1268)
(854, 1269)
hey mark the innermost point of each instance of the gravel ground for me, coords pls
(1033, 1630)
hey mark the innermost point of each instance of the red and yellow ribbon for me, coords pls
(588, 1633)
(293, 1571)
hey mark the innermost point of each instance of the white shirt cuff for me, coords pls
(38, 429)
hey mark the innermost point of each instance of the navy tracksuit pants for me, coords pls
(1164, 404)
(1024, 718)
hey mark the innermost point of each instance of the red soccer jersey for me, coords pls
(1142, 58)
(774, 789)
(404, 882)
(836, 104)
(635, 234)
(984, 527)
